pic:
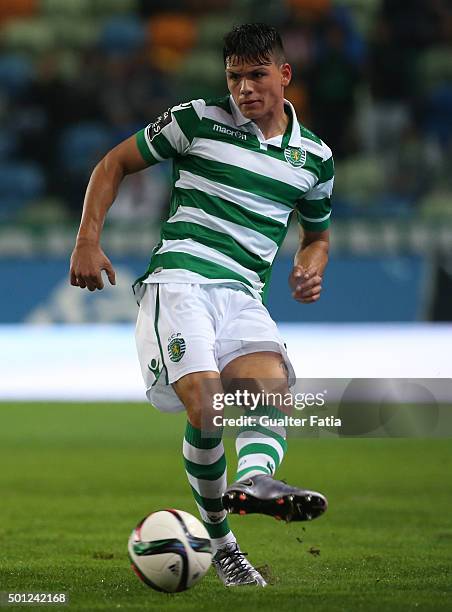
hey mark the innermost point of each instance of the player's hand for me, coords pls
(306, 284)
(87, 262)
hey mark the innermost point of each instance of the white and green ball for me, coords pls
(170, 550)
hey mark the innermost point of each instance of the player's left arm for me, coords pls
(314, 211)
(310, 262)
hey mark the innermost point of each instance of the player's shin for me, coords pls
(205, 465)
(260, 449)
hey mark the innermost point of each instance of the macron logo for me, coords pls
(225, 130)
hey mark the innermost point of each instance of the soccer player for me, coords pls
(242, 164)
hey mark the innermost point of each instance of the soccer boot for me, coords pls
(234, 569)
(265, 495)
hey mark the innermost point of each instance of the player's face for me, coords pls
(257, 89)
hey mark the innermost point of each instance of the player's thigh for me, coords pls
(175, 337)
(250, 347)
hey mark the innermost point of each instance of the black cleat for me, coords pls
(264, 495)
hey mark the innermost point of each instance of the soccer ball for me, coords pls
(170, 550)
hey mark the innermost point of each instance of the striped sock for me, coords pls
(260, 449)
(205, 465)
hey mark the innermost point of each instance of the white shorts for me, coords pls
(185, 328)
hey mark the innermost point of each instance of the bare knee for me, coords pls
(196, 391)
(262, 370)
(263, 374)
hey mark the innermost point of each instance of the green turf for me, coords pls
(75, 479)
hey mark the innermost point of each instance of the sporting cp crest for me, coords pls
(295, 156)
(176, 347)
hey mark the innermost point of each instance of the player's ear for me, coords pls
(286, 74)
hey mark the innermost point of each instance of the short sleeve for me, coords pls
(314, 209)
(172, 133)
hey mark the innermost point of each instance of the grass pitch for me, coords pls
(76, 478)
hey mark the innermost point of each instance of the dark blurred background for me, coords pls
(373, 78)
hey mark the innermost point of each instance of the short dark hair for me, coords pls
(254, 42)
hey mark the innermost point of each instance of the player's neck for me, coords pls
(273, 123)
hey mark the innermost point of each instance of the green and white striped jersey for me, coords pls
(233, 192)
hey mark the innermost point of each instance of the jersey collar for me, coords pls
(292, 136)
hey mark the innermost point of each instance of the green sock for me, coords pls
(260, 449)
(205, 465)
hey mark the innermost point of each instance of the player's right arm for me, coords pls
(88, 259)
(171, 134)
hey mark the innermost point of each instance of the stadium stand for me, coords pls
(372, 79)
